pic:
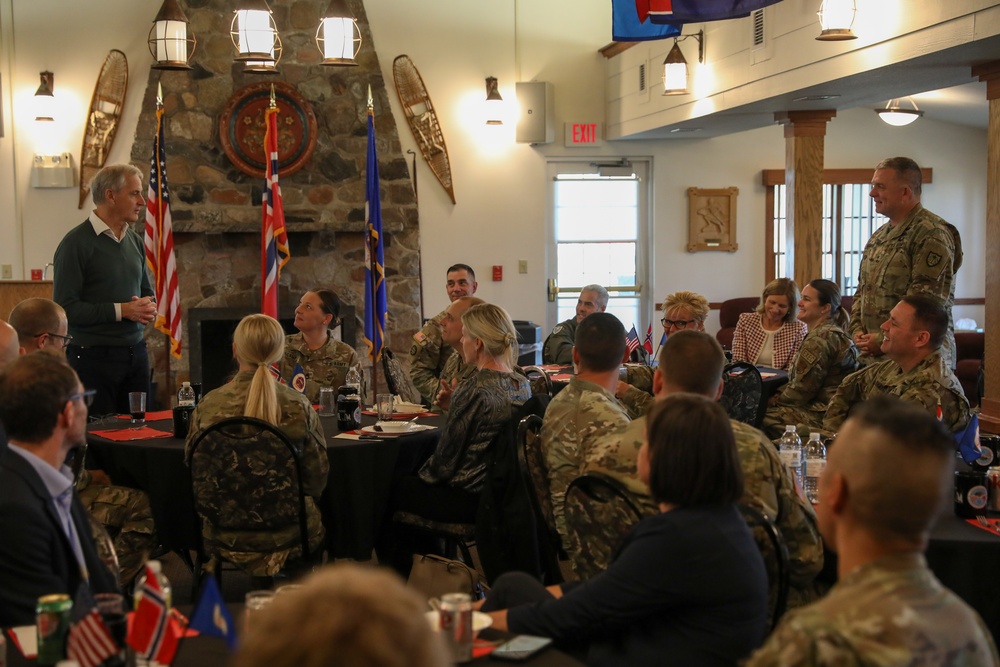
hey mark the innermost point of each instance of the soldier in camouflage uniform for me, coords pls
(825, 358)
(258, 553)
(692, 361)
(887, 608)
(429, 354)
(914, 371)
(324, 359)
(585, 412)
(456, 368)
(916, 252)
(558, 347)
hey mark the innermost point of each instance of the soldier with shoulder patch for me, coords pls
(917, 252)
(826, 357)
(324, 359)
(428, 353)
(558, 347)
(456, 368)
(887, 607)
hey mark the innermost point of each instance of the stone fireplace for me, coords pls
(216, 208)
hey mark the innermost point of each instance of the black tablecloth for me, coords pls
(362, 474)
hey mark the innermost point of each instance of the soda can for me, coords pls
(52, 614)
(993, 489)
(456, 624)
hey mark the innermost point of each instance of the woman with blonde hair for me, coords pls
(771, 335)
(446, 488)
(826, 357)
(259, 342)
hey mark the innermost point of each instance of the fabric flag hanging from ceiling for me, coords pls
(375, 298)
(159, 242)
(274, 237)
(676, 12)
(627, 26)
(89, 642)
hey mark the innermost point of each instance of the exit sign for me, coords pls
(584, 134)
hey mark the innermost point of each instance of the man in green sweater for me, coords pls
(102, 283)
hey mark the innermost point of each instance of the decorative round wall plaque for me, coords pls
(241, 128)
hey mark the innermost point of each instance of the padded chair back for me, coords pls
(743, 393)
(775, 554)
(398, 379)
(541, 385)
(247, 476)
(600, 511)
(729, 316)
(531, 461)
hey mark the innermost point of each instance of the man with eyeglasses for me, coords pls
(102, 282)
(47, 546)
(125, 513)
(41, 325)
(558, 347)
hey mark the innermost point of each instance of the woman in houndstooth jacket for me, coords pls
(771, 335)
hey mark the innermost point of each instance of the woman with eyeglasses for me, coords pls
(324, 359)
(770, 336)
(826, 357)
(681, 310)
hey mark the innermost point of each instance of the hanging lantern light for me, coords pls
(253, 32)
(836, 17)
(170, 42)
(338, 36)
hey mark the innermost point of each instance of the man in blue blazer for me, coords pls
(46, 545)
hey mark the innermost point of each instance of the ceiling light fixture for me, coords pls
(836, 17)
(254, 33)
(897, 116)
(338, 36)
(675, 67)
(169, 41)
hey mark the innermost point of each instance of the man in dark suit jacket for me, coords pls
(9, 351)
(46, 545)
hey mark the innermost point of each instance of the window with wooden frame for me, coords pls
(849, 219)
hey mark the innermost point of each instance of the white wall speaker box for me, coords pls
(536, 124)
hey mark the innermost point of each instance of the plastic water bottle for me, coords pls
(793, 455)
(353, 379)
(815, 462)
(185, 396)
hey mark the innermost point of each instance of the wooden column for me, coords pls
(804, 133)
(989, 418)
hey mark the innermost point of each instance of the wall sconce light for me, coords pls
(45, 101)
(897, 116)
(675, 67)
(836, 18)
(254, 33)
(169, 42)
(494, 103)
(338, 36)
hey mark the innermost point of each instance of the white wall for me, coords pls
(500, 187)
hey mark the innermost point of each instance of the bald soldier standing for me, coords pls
(887, 607)
(916, 252)
(429, 354)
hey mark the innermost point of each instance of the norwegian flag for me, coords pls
(274, 238)
(647, 344)
(631, 342)
(153, 632)
(159, 242)
(89, 642)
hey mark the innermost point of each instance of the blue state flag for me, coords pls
(211, 617)
(375, 296)
(968, 441)
(701, 11)
(626, 26)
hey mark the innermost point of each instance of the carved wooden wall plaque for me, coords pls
(712, 219)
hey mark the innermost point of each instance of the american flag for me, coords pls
(274, 238)
(153, 632)
(90, 642)
(159, 241)
(631, 341)
(375, 296)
